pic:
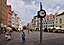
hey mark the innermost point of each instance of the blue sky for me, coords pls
(27, 9)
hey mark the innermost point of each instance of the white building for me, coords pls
(51, 21)
(20, 25)
(13, 19)
(16, 22)
(48, 21)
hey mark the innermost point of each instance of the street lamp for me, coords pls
(41, 14)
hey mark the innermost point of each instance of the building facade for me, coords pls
(51, 20)
(20, 25)
(48, 21)
(9, 21)
(13, 19)
(36, 22)
(55, 21)
(60, 20)
(16, 22)
(3, 12)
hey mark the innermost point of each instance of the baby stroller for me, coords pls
(8, 36)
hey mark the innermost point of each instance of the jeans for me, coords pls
(23, 42)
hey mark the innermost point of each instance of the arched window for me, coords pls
(60, 26)
(60, 20)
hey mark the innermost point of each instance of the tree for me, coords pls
(24, 27)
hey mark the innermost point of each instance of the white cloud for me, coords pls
(26, 12)
(26, 9)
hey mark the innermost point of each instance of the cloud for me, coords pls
(30, 1)
(26, 12)
(26, 9)
(54, 5)
(27, 1)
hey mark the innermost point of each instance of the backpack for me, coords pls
(23, 36)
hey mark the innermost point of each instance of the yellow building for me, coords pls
(55, 21)
(59, 20)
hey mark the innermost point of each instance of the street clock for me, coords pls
(41, 13)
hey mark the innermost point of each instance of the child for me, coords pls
(23, 38)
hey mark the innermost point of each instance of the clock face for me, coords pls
(42, 13)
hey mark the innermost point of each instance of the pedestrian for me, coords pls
(4, 29)
(1, 29)
(8, 34)
(23, 38)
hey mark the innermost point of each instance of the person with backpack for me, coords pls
(23, 38)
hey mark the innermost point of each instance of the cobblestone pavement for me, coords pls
(2, 39)
(48, 38)
(14, 41)
(33, 39)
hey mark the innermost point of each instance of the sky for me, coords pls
(27, 9)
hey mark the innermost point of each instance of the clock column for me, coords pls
(41, 15)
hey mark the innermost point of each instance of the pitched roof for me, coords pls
(60, 14)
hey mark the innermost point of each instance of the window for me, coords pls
(46, 25)
(53, 16)
(53, 25)
(56, 21)
(60, 26)
(56, 18)
(45, 20)
(60, 20)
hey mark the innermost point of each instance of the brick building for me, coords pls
(3, 12)
(9, 20)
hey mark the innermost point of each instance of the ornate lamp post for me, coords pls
(41, 14)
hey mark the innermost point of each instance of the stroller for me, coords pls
(8, 35)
